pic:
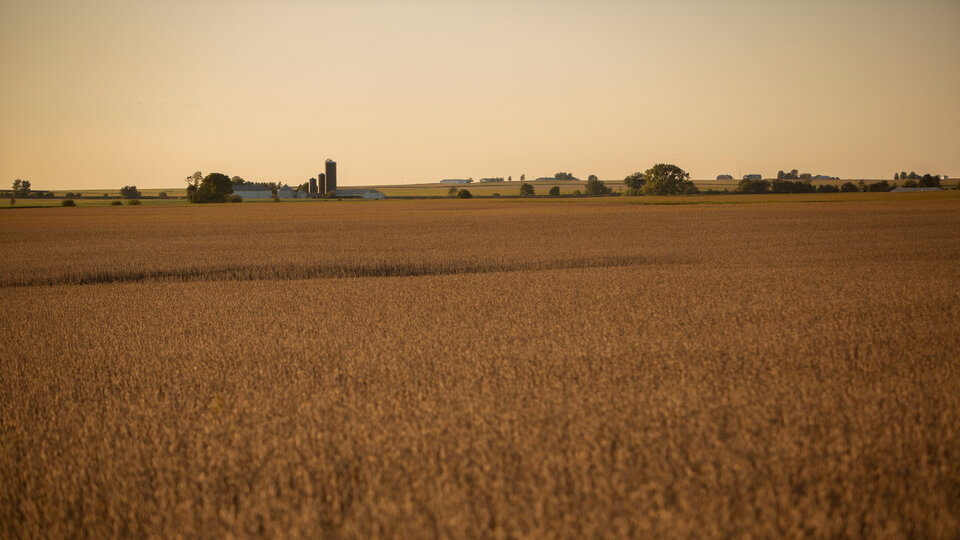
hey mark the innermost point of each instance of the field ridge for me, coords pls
(248, 272)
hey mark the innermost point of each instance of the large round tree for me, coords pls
(666, 179)
(214, 188)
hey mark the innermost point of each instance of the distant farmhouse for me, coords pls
(825, 177)
(546, 179)
(753, 177)
(456, 181)
(724, 177)
(917, 189)
(252, 191)
(358, 194)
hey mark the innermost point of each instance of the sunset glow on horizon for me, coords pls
(105, 93)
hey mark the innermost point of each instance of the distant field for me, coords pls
(513, 194)
(586, 368)
(504, 189)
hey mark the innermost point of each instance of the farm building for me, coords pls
(287, 192)
(456, 181)
(753, 177)
(252, 191)
(724, 177)
(359, 194)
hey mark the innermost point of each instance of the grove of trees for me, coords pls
(213, 188)
(526, 190)
(748, 185)
(661, 179)
(130, 192)
(786, 186)
(915, 180)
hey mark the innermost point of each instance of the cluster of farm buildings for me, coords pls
(324, 185)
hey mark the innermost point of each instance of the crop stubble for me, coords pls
(548, 369)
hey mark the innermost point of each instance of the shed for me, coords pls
(287, 192)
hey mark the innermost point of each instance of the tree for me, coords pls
(929, 180)
(452, 192)
(910, 183)
(667, 179)
(213, 188)
(526, 190)
(554, 191)
(635, 181)
(913, 176)
(464, 194)
(896, 176)
(236, 180)
(781, 175)
(861, 186)
(509, 179)
(193, 184)
(597, 187)
(565, 176)
(592, 177)
(523, 177)
(827, 188)
(129, 192)
(21, 188)
(163, 195)
(903, 175)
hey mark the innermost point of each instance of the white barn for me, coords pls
(252, 191)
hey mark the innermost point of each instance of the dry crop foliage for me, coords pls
(549, 370)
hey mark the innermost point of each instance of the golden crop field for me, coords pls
(481, 368)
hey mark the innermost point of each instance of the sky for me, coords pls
(105, 93)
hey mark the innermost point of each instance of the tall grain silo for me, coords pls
(331, 183)
(322, 182)
(313, 186)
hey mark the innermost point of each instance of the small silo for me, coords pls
(313, 186)
(322, 182)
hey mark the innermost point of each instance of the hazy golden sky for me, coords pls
(103, 93)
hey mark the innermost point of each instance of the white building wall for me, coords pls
(254, 194)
